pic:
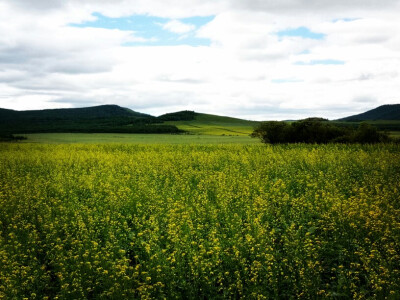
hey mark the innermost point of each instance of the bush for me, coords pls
(316, 130)
(367, 134)
(273, 132)
(11, 138)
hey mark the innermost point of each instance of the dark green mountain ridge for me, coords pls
(102, 111)
(96, 119)
(383, 112)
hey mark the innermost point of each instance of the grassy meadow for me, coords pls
(205, 124)
(126, 138)
(199, 221)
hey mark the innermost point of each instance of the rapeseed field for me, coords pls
(115, 221)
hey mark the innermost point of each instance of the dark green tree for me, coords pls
(367, 134)
(273, 132)
(317, 131)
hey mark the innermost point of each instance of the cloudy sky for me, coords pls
(253, 59)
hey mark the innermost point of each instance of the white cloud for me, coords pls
(178, 27)
(46, 63)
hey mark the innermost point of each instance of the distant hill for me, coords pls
(384, 112)
(184, 115)
(116, 119)
(199, 123)
(95, 112)
(96, 119)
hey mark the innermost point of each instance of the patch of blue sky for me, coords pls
(286, 80)
(320, 62)
(304, 52)
(345, 20)
(302, 32)
(150, 29)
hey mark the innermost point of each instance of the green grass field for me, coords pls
(66, 138)
(206, 129)
(394, 134)
(216, 125)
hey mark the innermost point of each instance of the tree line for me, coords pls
(319, 131)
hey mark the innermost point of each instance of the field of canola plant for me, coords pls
(115, 221)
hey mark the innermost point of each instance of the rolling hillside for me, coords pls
(116, 119)
(97, 119)
(384, 112)
(95, 112)
(208, 124)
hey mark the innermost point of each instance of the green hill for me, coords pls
(95, 112)
(198, 123)
(116, 119)
(184, 115)
(384, 112)
(97, 119)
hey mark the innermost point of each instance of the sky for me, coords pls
(251, 59)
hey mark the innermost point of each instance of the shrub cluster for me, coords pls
(185, 115)
(315, 130)
(11, 138)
